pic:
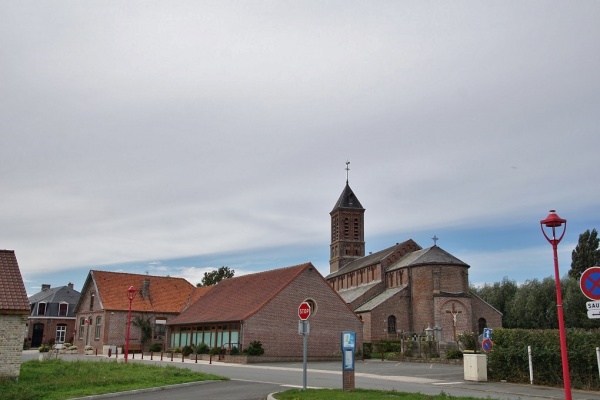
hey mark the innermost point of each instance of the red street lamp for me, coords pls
(130, 296)
(553, 221)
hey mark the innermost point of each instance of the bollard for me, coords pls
(161, 354)
(142, 354)
(210, 359)
(151, 356)
(182, 357)
(133, 355)
(109, 352)
(196, 358)
(171, 356)
(117, 353)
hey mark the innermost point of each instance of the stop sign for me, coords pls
(304, 311)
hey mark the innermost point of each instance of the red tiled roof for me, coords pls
(166, 294)
(13, 297)
(236, 299)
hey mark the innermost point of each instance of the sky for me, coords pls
(172, 138)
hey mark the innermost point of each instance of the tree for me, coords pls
(216, 276)
(145, 326)
(586, 254)
(499, 294)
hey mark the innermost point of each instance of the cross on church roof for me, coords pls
(435, 239)
(347, 170)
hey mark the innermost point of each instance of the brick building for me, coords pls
(52, 315)
(103, 307)
(264, 307)
(403, 289)
(14, 309)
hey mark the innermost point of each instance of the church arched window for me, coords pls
(391, 328)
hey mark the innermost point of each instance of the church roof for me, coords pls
(429, 256)
(373, 259)
(238, 298)
(379, 299)
(13, 297)
(347, 200)
(351, 294)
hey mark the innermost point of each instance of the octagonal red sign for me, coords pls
(304, 311)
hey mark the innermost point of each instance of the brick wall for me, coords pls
(12, 328)
(378, 317)
(446, 308)
(481, 309)
(276, 324)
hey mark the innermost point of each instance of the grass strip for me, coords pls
(359, 394)
(61, 380)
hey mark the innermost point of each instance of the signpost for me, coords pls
(590, 283)
(304, 329)
(487, 345)
(348, 347)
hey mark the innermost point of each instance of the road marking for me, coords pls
(447, 383)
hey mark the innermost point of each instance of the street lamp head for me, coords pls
(553, 221)
(131, 293)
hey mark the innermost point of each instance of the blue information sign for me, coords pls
(348, 340)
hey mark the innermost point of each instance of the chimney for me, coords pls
(45, 286)
(146, 288)
(70, 285)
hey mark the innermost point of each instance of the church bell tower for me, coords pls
(347, 229)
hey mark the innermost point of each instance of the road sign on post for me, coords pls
(304, 311)
(590, 283)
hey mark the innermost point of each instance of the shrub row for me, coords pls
(509, 358)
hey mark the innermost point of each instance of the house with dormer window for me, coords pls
(52, 315)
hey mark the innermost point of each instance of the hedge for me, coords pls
(509, 358)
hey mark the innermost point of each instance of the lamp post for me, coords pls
(553, 221)
(130, 296)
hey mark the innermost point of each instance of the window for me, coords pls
(61, 333)
(391, 328)
(160, 327)
(356, 229)
(81, 327)
(98, 328)
(41, 308)
(63, 309)
(92, 301)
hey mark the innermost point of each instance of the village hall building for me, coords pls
(403, 289)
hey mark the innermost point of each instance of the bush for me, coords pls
(187, 350)
(255, 349)
(367, 349)
(453, 354)
(468, 340)
(201, 348)
(509, 359)
(155, 347)
(214, 351)
(234, 351)
(44, 348)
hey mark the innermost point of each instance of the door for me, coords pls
(38, 335)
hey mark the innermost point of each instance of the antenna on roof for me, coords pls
(347, 170)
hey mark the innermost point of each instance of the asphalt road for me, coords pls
(256, 381)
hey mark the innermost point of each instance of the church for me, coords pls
(404, 289)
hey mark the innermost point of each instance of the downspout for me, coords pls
(411, 322)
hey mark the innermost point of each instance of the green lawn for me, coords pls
(59, 380)
(359, 394)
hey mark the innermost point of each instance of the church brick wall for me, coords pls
(379, 317)
(422, 297)
(481, 309)
(11, 346)
(446, 307)
(276, 324)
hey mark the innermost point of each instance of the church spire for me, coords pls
(347, 228)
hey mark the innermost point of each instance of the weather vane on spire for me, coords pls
(347, 170)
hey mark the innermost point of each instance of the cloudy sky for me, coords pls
(174, 137)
